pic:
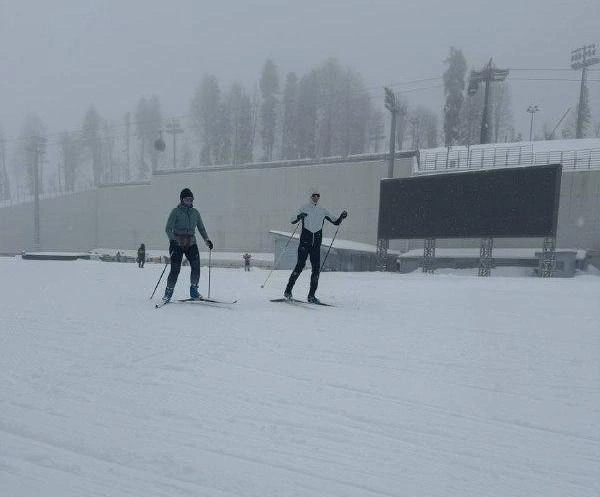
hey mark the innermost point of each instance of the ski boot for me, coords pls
(168, 294)
(288, 295)
(194, 294)
(313, 300)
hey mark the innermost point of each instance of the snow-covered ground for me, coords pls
(414, 385)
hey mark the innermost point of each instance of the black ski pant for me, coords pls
(310, 246)
(193, 257)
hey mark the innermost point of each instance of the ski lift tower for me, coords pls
(487, 75)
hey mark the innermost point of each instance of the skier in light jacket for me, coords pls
(181, 229)
(312, 217)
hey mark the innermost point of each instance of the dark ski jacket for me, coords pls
(183, 222)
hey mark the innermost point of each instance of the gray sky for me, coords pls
(59, 56)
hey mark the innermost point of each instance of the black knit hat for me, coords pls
(186, 192)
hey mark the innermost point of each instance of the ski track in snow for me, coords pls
(444, 385)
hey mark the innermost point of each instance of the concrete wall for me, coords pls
(240, 206)
(66, 223)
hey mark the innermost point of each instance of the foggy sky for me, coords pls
(58, 57)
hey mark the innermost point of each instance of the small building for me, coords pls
(345, 255)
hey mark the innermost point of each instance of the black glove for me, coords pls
(344, 215)
(209, 244)
(302, 215)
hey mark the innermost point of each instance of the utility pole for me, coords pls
(532, 109)
(37, 147)
(487, 75)
(582, 58)
(172, 127)
(127, 138)
(394, 105)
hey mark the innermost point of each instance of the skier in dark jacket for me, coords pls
(312, 217)
(141, 255)
(181, 229)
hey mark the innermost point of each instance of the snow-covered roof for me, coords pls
(338, 244)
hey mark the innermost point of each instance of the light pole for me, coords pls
(581, 58)
(532, 109)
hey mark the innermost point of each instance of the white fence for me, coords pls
(469, 158)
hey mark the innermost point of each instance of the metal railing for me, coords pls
(471, 158)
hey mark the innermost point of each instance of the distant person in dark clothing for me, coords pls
(247, 258)
(141, 255)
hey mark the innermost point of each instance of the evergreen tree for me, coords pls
(306, 128)
(356, 110)
(454, 86)
(289, 148)
(224, 132)
(470, 119)
(331, 91)
(239, 108)
(245, 130)
(343, 111)
(108, 154)
(4, 181)
(70, 150)
(205, 109)
(269, 87)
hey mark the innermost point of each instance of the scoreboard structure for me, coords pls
(505, 203)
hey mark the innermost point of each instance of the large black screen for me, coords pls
(518, 202)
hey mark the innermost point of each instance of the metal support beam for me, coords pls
(548, 260)
(486, 259)
(382, 254)
(429, 255)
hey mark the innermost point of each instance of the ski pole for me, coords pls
(323, 264)
(158, 282)
(282, 252)
(209, 264)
